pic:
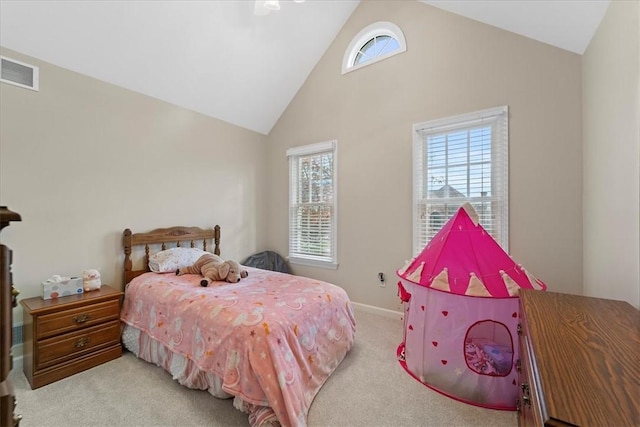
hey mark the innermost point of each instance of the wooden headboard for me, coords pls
(163, 236)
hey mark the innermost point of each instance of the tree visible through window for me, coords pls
(312, 215)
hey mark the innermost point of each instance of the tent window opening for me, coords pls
(488, 348)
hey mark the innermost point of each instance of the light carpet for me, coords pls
(369, 388)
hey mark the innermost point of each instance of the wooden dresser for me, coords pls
(579, 361)
(66, 335)
(8, 297)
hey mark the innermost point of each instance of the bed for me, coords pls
(269, 342)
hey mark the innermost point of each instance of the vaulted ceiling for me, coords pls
(221, 59)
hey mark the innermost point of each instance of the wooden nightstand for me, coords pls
(68, 335)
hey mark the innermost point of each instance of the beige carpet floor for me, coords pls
(369, 388)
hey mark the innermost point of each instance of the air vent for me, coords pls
(17, 334)
(19, 74)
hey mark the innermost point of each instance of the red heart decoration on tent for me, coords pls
(445, 313)
(435, 343)
(444, 362)
(422, 307)
(411, 327)
(514, 315)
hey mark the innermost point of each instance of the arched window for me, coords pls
(374, 43)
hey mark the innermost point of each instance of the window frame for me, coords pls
(381, 28)
(293, 157)
(498, 118)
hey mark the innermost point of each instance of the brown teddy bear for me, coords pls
(214, 268)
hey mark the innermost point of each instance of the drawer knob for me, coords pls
(81, 342)
(81, 318)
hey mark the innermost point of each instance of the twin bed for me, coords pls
(269, 342)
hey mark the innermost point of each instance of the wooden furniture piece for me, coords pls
(579, 361)
(67, 335)
(8, 296)
(162, 236)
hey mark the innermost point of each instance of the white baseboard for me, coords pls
(377, 310)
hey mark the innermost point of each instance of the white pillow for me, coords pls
(169, 260)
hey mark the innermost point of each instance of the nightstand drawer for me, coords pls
(58, 349)
(74, 319)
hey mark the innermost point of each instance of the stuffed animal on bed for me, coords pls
(214, 268)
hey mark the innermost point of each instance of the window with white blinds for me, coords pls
(456, 160)
(312, 204)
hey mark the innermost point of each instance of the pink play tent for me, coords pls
(460, 298)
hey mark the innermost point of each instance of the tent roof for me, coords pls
(464, 259)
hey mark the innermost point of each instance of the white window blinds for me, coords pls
(456, 160)
(312, 204)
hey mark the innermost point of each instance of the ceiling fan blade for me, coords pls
(259, 9)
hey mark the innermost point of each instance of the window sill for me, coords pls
(313, 263)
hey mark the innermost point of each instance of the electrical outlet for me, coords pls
(382, 280)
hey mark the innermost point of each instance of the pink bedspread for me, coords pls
(273, 338)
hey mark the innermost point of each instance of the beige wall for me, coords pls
(453, 65)
(611, 127)
(81, 160)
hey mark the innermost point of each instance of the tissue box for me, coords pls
(51, 290)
